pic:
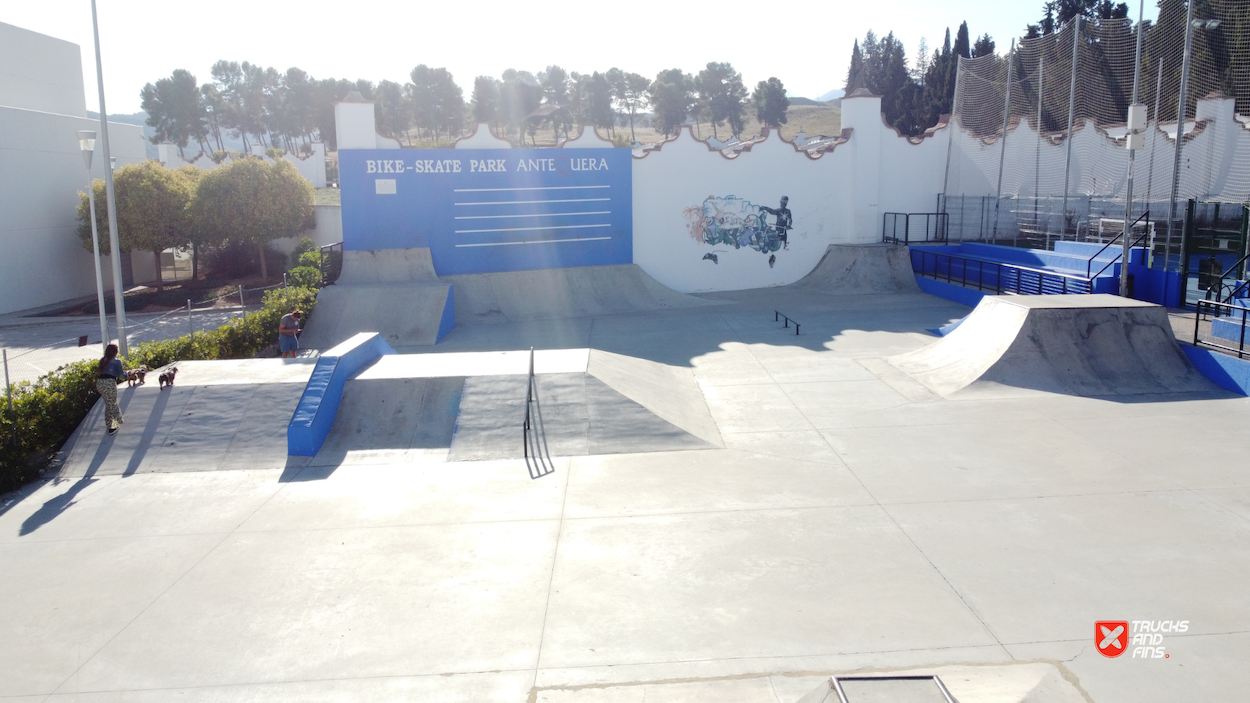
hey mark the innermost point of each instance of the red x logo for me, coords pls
(1111, 637)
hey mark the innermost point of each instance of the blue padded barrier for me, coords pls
(315, 413)
(964, 296)
(1227, 372)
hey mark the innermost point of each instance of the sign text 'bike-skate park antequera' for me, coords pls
(490, 210)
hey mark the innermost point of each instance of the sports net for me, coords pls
(1059, 171)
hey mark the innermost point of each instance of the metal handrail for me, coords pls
(998, 288)
(777, 317)
(529, 403)
(1215, 306)
(1224, 275)
(1090, 264)
(1118, 257)
(940, 220)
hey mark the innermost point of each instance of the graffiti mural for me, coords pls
(738, 223)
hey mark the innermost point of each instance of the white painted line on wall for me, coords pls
(535, 241)
(528, 229)
(492, 190)
(540, 214)
(529, 202)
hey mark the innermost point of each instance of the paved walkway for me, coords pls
(39, 345)
(852, 521)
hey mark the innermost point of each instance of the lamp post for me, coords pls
(86, 140)
(1134, 140)
(110, 199)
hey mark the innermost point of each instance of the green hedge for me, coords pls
(48, 411)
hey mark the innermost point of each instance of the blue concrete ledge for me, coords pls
(310, 425)
(1227, 372)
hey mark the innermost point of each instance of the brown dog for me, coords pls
(137, 377)
(167, 378)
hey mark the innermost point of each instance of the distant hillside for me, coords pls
(832, 95)
(140, 118)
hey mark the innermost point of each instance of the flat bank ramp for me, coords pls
(864, 269)
(1088, 345)
(405, 314)
(388, 415)
(514, 296)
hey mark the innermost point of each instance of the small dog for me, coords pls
(137, 377)
(167, 378)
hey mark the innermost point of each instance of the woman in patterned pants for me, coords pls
(109, 374)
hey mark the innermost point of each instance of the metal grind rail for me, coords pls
(1216, 310)
(779, 316)
(1001, 278)
(534, 436)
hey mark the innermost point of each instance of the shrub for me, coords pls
(47, 411)
(309, 258)
(306, 245)
(306, 276)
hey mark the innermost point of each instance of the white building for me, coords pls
(42, 107)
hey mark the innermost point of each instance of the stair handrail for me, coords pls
(1090, 264)
(1224, 275)
(1118, 256)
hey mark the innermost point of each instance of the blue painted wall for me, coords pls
(489, 210)
(1227, 372)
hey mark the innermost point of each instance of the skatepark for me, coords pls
(736, 512)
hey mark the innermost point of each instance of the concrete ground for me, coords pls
(854, 521)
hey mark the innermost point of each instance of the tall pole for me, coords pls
(1037, 159)
(1150, 176)
(8, 392)
(99, 277)
(1067, 168)
(950, 144)
(1002, 151)
(1132, 154)
(1180, 134)
(110, 197)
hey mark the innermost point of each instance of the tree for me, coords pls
(175, 110)
(1057, 12)
(855, 73)
(153, 210)
(252, 201)
(598, 106)
(555, 87)
(983, 47)
(519, 96)
(629, 92)
(771, 102)
(486, 100)
(395, 110)
(722, 93)
(671, 95)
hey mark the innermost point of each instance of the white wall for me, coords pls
(1213, 162)
(328, 230)
(836, 197)
(41, 174)
(38, 72)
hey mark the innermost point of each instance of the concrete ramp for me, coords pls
(385, 416)
(581, 415)
(405, 314)
(670, 392)
(567, 292)
(1089, 345)
(387, 266)
(862, 270)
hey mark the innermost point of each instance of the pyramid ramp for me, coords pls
(1087, 345)
(862, 270)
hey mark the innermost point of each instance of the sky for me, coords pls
(806, 44)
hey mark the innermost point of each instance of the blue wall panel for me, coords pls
(488, 210)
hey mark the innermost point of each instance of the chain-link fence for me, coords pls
(1039, 150)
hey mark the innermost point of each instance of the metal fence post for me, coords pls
(1067, 169)
(190, 322)
(8, 392)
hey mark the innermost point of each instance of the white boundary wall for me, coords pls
(837, 197)
(1213, 160)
